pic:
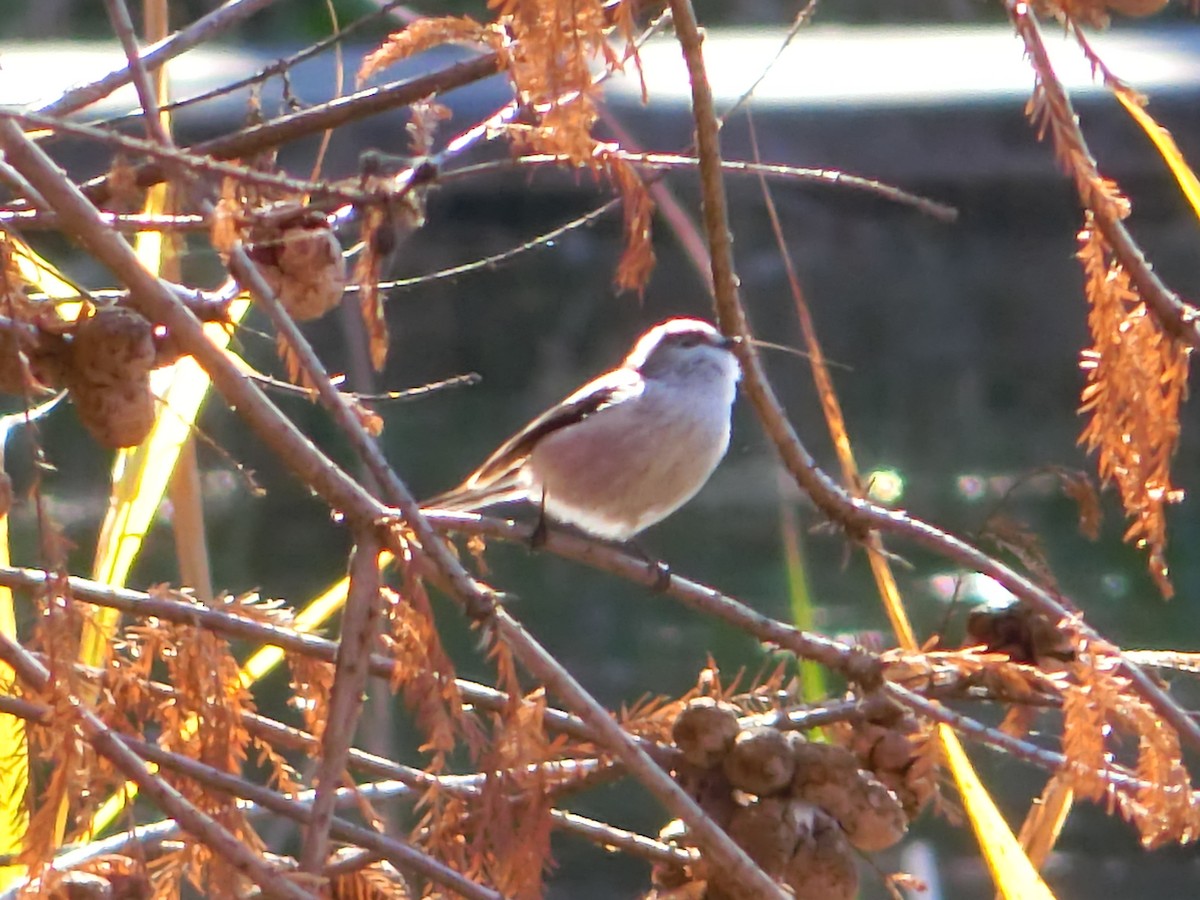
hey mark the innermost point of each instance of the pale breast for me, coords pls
(628, 466)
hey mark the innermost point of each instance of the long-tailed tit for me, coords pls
(628, 448)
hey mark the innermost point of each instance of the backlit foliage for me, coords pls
(178, 715)
(548, 50)
(1137, 368)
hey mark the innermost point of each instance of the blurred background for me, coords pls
(957, 348)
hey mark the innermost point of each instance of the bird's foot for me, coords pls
(662, 576)
(537, 537)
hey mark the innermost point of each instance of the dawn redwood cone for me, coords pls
(760, 761)
(108, 375)
(304, 267)
(828, 776)
(704, 731)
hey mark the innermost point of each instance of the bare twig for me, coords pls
(204, 28)
(335, 113)
(118, 15)
(672, 161)
(195, 162)
(278, 67)
(360, 626)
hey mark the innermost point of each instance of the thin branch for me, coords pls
(489, 262)
(673, 161)
(360, 627)
(278, 67)
(118, 14)
(200, 31)
(193, 161)
(343, 110)
(1115, 775)
(30, 219)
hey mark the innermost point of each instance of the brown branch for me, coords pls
(203, 29)
(360, 627)
(168, 157)
(335, 113)
(1116, 775)
(662, 162)
(30, 220)
(852, 661)
(111, 746)
(118, 15)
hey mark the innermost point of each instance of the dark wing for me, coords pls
(607, 390)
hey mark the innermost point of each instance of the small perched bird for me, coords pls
(628, 448)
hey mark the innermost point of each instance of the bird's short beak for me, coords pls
(728, 343)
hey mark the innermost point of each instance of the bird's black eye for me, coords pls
(689, 340)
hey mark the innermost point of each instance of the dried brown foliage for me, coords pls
(497, 763)
(1137, 379)
(548, 49)
(1136, 368)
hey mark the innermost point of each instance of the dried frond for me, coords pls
(423, 672)
(378, 238)
(378, 881)
(512, 825)
(1136, 380)
(420, 36)
(1096, 709)
(637, 260)
(1078, 486)
(422, 127)
(312, 680)
(1084, 727)
(1021, 541)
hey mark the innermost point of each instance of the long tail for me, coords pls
(471, 498)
